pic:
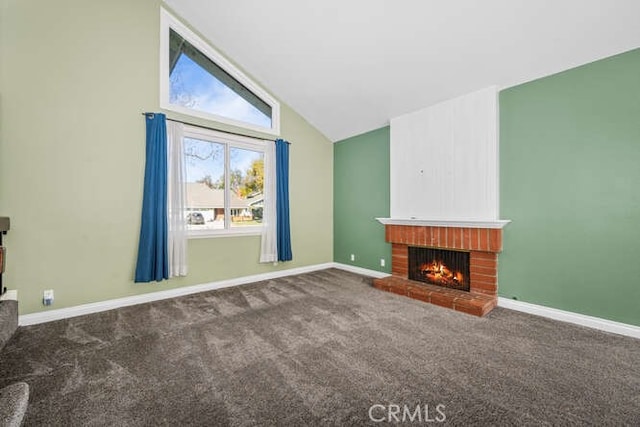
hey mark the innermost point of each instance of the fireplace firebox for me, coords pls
(441, 267)
(475, 287)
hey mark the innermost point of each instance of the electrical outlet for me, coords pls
(382, 262)
(47, 297)
(353, 257)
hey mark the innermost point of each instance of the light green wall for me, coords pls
(361, 194)
(75, 76)
(570, 181)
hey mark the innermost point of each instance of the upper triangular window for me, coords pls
(198, 81)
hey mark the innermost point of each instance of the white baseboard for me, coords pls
(80, 310)
(360, 270)
(570, 317)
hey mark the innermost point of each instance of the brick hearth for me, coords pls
(483, 245)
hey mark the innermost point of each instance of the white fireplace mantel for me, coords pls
(498, 223)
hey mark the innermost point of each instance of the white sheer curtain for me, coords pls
(269, 243)
(176, 200)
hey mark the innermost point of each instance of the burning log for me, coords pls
(438, 273)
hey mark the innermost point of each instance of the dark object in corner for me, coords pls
(4, 224)
(4, 227)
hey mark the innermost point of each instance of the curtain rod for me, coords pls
(214, 129)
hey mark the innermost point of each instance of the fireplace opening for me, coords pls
(440, 267)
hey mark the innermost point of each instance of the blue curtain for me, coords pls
(283, 228)
(153, 259)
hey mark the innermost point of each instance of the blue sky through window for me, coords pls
(207, 158)
(193, 87)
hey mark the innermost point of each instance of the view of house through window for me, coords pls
(224, 187)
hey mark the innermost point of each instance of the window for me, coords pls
(196, 80)
(224, 183)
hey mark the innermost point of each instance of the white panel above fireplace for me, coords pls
(444, 160)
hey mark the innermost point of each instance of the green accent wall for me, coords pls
(361, 194)
(570, 182)
(74, 78)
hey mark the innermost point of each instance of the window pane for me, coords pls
(246, 182)
(205, 184)
(198, 83)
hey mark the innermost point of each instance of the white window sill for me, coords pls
(238, 231)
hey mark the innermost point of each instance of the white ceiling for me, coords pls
(348, 66)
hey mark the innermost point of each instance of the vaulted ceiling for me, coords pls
(348, 66)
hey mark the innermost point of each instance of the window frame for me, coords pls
(167, 22)
(229, 141)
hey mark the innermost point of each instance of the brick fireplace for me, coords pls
(483, 242)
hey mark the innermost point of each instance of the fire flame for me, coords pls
(437, 272)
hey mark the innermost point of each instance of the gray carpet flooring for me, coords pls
(315, 349)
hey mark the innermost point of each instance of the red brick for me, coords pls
(483, 263)
(490, 292)
(484, 285)
(466, 238)
(481, 278)
(400, 266)
(380, 284)
(483, 244)
(491, 270)
(398, 250)
(398, 262)
(419, 293)
(457, 238)
(400, 257)
(398, 287)
(400, 253)
(495, 244)
(442, 300)
(473, 240)
(475, 310)
(484, 255)
(476, 303)
(400, 272)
